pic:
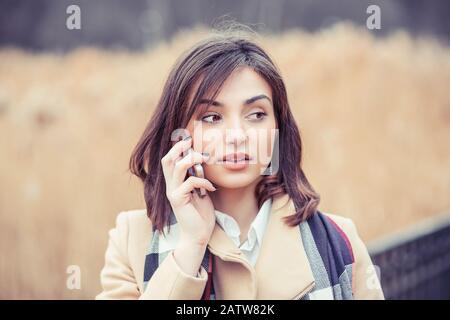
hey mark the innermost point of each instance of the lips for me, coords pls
(235, 157)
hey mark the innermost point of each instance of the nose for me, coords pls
(235, 134)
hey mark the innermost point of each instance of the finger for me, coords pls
(181, 167)
(194, 182)
(174, 154)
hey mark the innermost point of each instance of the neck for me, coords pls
(239, 203)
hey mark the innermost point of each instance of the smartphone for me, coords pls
(196, 170)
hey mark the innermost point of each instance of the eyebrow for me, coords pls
(246, 102)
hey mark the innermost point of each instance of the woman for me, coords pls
(257, 233)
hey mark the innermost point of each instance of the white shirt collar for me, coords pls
(256, 230)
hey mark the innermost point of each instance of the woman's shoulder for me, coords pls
(344, 223)
(133, 226)
(347, 228)
(121, 276)
(366, 283)
(133, 217)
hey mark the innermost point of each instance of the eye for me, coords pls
(257, 116)
(211, 118)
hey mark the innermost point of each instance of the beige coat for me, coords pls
(282, 270)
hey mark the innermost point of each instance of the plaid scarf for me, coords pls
(327, 247)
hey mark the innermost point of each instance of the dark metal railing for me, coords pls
(415, 264)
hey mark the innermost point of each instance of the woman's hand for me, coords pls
(195, 215)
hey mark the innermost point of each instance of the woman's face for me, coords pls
(237, 130)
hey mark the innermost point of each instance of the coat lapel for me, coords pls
(282, 270)
(233, 276)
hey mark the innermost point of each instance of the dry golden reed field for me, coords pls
(374, 114)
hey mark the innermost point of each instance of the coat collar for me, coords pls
(282, 270)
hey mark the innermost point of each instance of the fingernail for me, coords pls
(205, 154)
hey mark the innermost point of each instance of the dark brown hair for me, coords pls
(210, 62)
